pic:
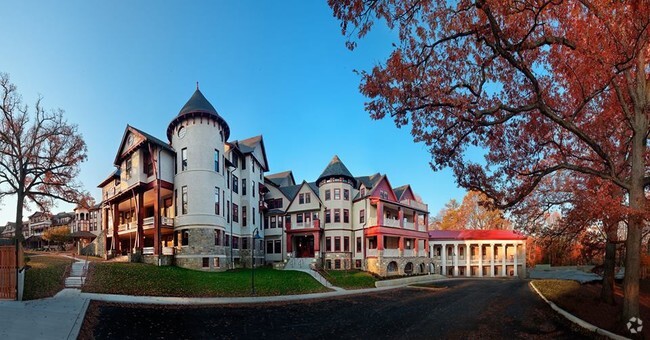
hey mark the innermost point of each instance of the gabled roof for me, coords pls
(390, 187)
(475, 235)
(249, 145)
(312, 186)
(335, 168)
(145, 138)
(115, 174)
(290, 192)
(399, 191)
(198, 106)
(368, 181)
(280, 178)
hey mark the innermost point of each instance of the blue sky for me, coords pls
(279, 69)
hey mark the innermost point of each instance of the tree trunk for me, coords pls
(635, 225)
(607, 292)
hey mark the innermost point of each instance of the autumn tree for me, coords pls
(40, 154)
(475, 212)
(58, 235)
(541, 86)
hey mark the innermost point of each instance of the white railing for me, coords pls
(409, 225)
(371, 252)
(168, 250)
(422, 227)
(167, 221)
(423, 253)
(127, 226)
(389, 222)
(409, 253)
(391, 252)
(148, 221)
(147, 251)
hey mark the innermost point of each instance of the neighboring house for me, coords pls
(39, 222)
(343, 222)
(194, 200)
(478, 253)
(9, 230)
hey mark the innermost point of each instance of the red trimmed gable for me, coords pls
(384, 184)
(408, 194)
(475, 235)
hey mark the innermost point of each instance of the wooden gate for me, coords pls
(8, 271)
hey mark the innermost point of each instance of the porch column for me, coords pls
(455, 255)
(523, 265)
(116, 225)
(400, 217)
(104, 213)
(503, 260)
(426, 222)
(416, 248)
(156, 219)
(480, 259)
(380, 242)
(140, 220)
(468, 259)
(400, 245)
(289, 246)
(380, 214)
(316, 242)
(515, 261)
(443, 256)
(492, 260)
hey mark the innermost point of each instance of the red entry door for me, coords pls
(305, 246)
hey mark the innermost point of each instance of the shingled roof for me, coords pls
(335, 168)
(197, 106)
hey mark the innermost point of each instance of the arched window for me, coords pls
(408, 269)
(392, 267)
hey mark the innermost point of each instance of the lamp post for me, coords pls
(256, 236)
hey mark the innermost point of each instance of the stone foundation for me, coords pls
(96, 247)
(398, 265)
(165, 260)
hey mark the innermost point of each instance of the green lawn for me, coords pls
(350, 279)
(45, 277)
(149, 280)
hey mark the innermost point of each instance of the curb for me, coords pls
(576, 320)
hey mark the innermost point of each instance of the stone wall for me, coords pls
(344, 258)
(165, 260)
(379, 266)
(96, 248)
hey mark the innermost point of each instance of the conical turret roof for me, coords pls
(335, 168)
(198, 106)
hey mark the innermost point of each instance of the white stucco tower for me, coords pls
(198, 135)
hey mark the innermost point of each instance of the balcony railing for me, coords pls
(414, 204)
(371, 252)
(408, 253)
(127, 226)
(389, 222)
(409, 225)
(391, 252)
(147, 221)
(167, 221)
(307, 225)
(423, 253)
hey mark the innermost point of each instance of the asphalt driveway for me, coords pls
(457, 309)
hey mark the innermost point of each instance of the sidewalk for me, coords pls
(59, 317)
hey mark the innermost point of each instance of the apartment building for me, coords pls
(193, 201)
(340, 221)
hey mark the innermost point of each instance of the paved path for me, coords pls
(466, 309)
(59, 317)
(77, 275)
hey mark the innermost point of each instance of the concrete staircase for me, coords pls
(77, 275)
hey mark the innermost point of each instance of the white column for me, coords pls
(443, 256)
(480, 259)
(468, 259)
(492, 260)
(503, 262)
(523, 265)
(515, 259)
(455, 254)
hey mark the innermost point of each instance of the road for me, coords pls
(467, 309)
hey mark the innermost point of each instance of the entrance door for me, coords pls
(304, 246)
